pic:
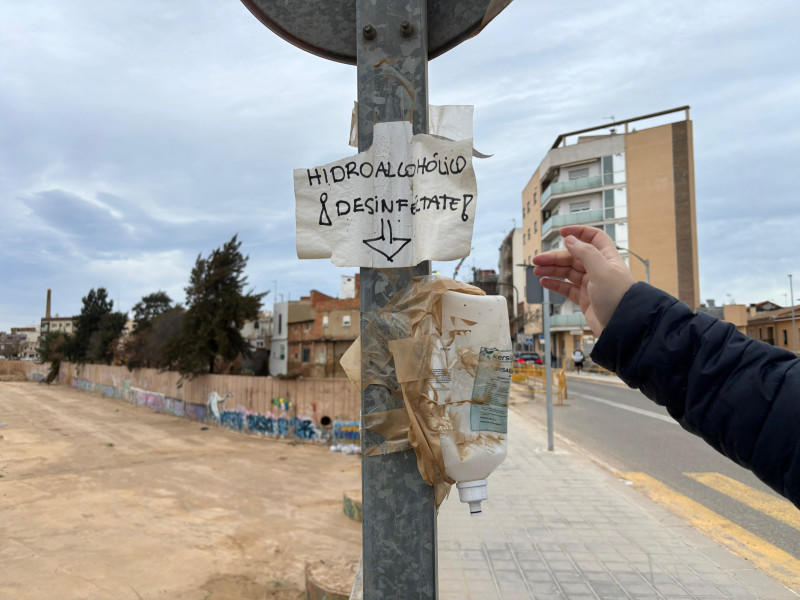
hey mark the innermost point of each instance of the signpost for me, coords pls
(390, 41)
(536, 294)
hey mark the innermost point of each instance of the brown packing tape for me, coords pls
(395, 352)
(421, 302)
(393, 426)
(351, 363)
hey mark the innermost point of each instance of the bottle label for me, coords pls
(489, 410)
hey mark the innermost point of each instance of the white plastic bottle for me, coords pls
(473, 437)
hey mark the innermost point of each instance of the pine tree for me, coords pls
(95, 328)
(217, 307)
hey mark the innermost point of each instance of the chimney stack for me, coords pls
(47, 310)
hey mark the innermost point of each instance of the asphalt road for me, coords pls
(629, 433)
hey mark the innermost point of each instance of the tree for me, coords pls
(104, 340)
(149, 344)
(52, 346)
(217, 307)
(148, 308)
(96, 329)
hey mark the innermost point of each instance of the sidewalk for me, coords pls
(557, 525)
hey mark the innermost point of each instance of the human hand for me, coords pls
(590, 272)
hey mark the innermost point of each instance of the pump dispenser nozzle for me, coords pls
(473, 492)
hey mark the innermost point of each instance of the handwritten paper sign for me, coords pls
(407, 199)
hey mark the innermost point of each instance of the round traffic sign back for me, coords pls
(327, 28)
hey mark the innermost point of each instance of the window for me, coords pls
(760, 334)
(306, 354)
(283, 351)
(308, 326)
(785, 338)
(280, 325)
(578, 173)
(535, 226)
(534, 198)
(576, 207)
(294, 328)
(346, 321)
(324, 320)
(256, 325)
(529, 233)
(529, 207)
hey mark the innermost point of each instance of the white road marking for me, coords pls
(638, 411)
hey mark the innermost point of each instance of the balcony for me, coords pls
(574, 321)
(578, 218)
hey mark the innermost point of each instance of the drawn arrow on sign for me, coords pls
(389, 248)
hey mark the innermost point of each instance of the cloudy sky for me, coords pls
(135, 135)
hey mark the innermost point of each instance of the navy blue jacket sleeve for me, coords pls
(740, 395)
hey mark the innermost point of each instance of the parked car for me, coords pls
(531, 358)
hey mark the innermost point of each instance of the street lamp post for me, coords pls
(515, 298)
(645, 261)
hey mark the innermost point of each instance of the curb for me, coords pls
(332, 580)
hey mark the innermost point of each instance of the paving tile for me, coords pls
(505, 565)
(571, 589)
(602, 588)
(540, 588)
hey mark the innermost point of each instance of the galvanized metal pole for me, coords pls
(399, 528)
(548, 370)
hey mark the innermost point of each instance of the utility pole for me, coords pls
(399, 527)
(390, 42)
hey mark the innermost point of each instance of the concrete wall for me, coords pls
(308, 409)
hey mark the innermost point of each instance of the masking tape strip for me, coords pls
(393, 426)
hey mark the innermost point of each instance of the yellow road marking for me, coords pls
(777, 508)
(769, 559)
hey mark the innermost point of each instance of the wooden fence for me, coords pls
(335, 399)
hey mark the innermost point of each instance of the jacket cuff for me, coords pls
(629, 326)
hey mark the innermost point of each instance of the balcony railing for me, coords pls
(585, 216)
(574, 320)
(584, 183)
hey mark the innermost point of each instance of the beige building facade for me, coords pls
(635, 180)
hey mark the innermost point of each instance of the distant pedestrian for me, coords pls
(578, 357)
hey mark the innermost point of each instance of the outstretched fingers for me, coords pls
(565, 288)
(590, 235)
(566, 272)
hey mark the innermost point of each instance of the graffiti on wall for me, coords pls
(214, 400)
(346, 432)
(280, 422)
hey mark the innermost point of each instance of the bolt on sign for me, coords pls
(407, 199)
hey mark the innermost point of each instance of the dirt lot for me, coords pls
(103, 500)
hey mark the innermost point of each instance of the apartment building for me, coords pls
(635, 180)
(511, 284)
(310, 335)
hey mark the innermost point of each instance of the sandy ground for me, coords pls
(103, 500)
